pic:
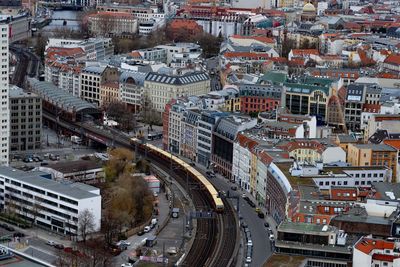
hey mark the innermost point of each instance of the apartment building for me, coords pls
(4, 104)
(373, 155)
(161, 88)
(25, 120)
(206, 125)
(48, 204)
(373, 252)
(91, 79)
(131, 88)
(256, 98)
(355, 100)
(189, 124)
(94, 48)
(109, 93)
(387, 122)
(112, 23)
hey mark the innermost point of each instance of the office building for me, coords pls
(4, 108)
(47, 203)
(25, 120)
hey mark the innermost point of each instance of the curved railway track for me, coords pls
(215, 239)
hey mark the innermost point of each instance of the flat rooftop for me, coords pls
(34, 179)
(18, 261)
(281, 260)
(305, 228)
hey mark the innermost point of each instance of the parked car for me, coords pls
(233, 187)
(244, 225)
(59, 246)
(9, 228)
(246, 198)
(271, 237)
(123, 242)
(261, 215)
(19, 234)
(140, 233)
(147, 229)
(251, 203)
(266, 224)
(127, 264)
(50, 243)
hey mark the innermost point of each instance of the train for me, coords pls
(213, 194)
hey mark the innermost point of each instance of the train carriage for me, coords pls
(206, 185)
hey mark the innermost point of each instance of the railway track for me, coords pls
(214, 243)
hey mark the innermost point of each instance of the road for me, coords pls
(259, 234)
(212, 66)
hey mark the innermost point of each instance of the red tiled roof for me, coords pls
(263, 39)
(297, 62)
(135, 54)
(251, 55)
(367, 245)
(393, 59)
(393, 143)
(300, 52)
(184, 23)
(384, 257)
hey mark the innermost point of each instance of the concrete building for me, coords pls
(373, 155)
(94, 48)
(353, 106)
(4, 93)
(206, 125)
(25, 120)
(86, 171)
(224, 137)
(20, 26)
(106, 23)
(161, 88)
(91, 79)
(48, 204)
(131, 90)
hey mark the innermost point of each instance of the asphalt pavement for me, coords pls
(259, 233)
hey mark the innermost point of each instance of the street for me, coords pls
(259, 233)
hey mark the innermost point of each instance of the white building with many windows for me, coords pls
(4, 107)
(47, 203)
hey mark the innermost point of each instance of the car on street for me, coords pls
(261, 215)
(59, 246)
(233, 188)
(250, 242)
(271, 237)
(266, 224)
(127, 264)
(251, 203)
(50, 243)
(246, 198)
(9, 228)
(123, 242)
(147, 229)
(140, 233)
(244, 225)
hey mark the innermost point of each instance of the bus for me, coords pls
(154, 136)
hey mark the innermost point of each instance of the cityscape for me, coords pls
(217, 133)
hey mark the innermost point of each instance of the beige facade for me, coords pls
(112, 23)
(161, 88)
(92, 78)
(373, 155)
(109, 92)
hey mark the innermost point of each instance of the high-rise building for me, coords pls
(4, 108)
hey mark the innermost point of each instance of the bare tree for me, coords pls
(86, 223)
(36, 209)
